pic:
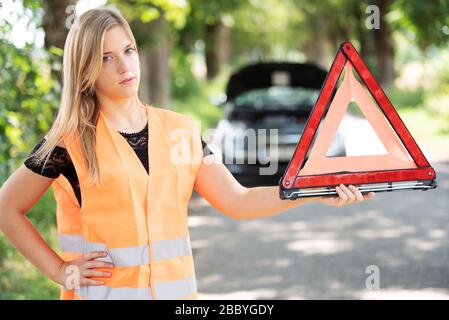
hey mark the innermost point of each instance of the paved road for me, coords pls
(320, 252)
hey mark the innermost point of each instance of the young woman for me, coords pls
(121, 194)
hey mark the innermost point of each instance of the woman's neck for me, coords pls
(125, 115)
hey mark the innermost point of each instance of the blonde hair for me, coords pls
(79, 108)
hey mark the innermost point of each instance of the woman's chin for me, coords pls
(129, 92)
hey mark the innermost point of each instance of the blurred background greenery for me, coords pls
(188, 49)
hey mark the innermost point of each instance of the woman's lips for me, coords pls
(128, 80)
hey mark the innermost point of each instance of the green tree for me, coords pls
(28, 96)
(428, 21)
(210, 21)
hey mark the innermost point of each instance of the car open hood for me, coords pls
(265, 75)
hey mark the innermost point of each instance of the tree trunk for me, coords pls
(54, 21)
(360, 29)
(155, 68)
(317, 53)
(384, 46)
(54, 24)
(217, 41)
(318, 48)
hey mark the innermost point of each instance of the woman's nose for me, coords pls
(123, 65)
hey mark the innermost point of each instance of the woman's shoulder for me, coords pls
(56, 164)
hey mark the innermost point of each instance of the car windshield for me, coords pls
(277, 97)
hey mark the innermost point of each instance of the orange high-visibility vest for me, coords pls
(140, 219)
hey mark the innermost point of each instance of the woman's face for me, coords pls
(120, 73)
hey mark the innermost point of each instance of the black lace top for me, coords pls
(59, 161)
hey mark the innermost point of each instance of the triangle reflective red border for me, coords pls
(293, 185)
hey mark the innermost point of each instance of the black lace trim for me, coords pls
(58, 162)
(135, 133)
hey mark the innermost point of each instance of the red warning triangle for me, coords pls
(404, 167)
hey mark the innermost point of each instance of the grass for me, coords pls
(426, 115)
(430, 131)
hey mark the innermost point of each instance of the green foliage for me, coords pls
(262, 27)
(197, 102)
(183, 81)
(28, 96)
(149, 10)
(426, 20)
(438, 105)
(208, 12)
(405, 98)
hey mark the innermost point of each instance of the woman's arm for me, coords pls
(219, 187)
(17, 195)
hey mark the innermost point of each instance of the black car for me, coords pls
(265, 110)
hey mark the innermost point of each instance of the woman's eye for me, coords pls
(106, 58)
(129, 50)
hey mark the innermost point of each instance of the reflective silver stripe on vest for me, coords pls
(167, 290)
(176, 289)
(126, 257)
(71, 243)
(167, 249)
(109, 293)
